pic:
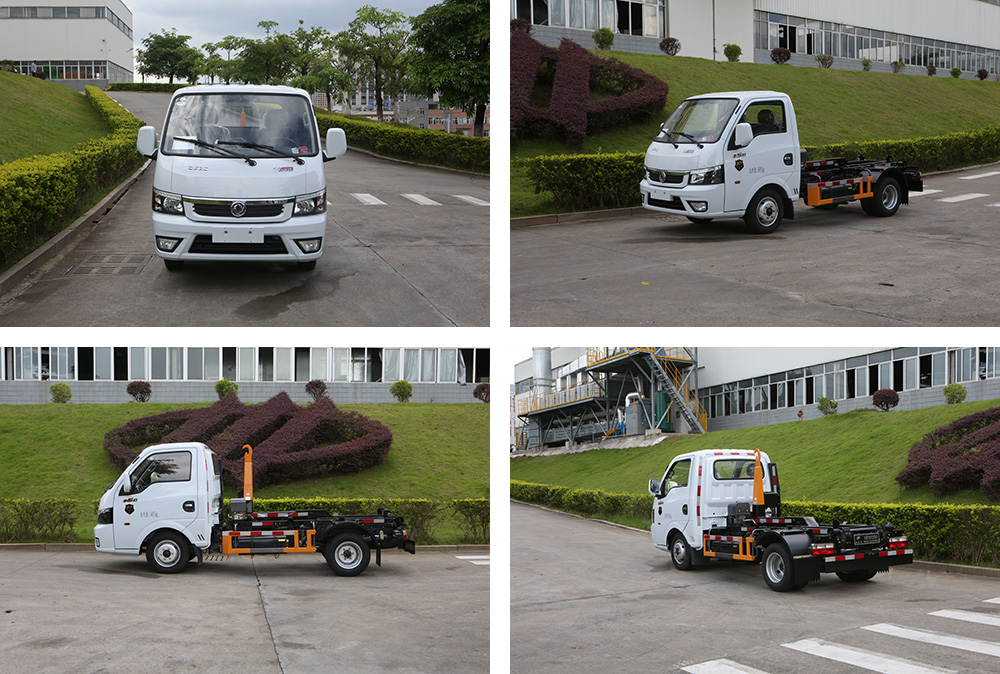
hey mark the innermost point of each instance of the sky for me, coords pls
(212, 20)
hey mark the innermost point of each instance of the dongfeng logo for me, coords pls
(238, 209)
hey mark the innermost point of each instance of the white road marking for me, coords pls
(969, 616)
(924, 193)
(991, 206)
(995, 600)
(478, 560)
(368, 200)
(471, 200)
(421, 199)
(722, 666)
(981, 175)
(963, 197)
(875, 662)
(938, 638)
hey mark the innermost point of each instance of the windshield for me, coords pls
(231, 124)
(701, 120)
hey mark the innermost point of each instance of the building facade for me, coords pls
(75, 45)
(962, 34)
(189, 374)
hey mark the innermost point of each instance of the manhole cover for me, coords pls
(110, 265)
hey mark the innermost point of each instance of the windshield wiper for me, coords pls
(214, 148)
(688, 136)
(258, 146)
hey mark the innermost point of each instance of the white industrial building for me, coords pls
(73, 44)
(575, 395)
(956, 33)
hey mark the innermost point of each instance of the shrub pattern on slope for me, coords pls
(964, 454)
(289, 442)
(570, 116)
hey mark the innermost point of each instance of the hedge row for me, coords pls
(946, 533)
(146, 86)
(409, 143)
(23, 520)
(594, 181)
(37, 194)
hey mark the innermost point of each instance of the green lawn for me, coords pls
(41, 117)
(831, 106)
(844, 458)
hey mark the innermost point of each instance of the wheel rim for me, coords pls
(890, 196)
(775, 567)
(349, 555)
(679, 551)
(767, 211)
(167, 553)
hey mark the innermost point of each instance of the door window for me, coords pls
(766, 117)
(677, 476)
(166, 467)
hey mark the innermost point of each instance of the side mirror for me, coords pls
(127, 486)
(654, 486)
(744, 134)
(146, 142)
(336, 144)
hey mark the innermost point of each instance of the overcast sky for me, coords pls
(212, 20)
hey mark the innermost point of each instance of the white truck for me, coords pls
(239, 176)
(736, 154)
(168, 504)
(711, 504)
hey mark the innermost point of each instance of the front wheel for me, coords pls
(347, 554)
(765, 212)
(168, 552)
(886, 199)
(680, 553)
(859, 576)
(778, 571)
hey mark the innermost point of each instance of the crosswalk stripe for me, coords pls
(478, 560)
(875, 662)
(962, 197)
(924, 193)
(368, 200)
(969, 616)
(995, 600)
(938, 638)
(421, 199)
(471, 200)
(981, 175)
(721, 666)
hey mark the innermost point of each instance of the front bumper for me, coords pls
(201, 240)
(697, 201)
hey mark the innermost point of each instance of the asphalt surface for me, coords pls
(85, 612)
(588, 598)
(390, 263)
(929, 265)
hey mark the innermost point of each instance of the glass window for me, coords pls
(449, 365)
(910, 380)
(166, 467)
(196, 367)
(247, 365)
(62, 363)
(575, 15)
(283, 364)
(317, 368)
(411, 364)
(590, 17)
(734, 469)
(390, 364)
(968, 364)
(766, 117)
(102, 363)
(700, 120)
(137, 362)
(428, 366)
(211, 359)
(341, 364)
(677, 476)
(860, 382)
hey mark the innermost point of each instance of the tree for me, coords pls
(453, 57)
(885, 399)
(377, 42)
(402, 390)
(266, 61)
(213, 65)
(229, 44)
(169, 55)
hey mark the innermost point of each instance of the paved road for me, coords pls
(588, 598)
(83, 612)
(389, 260)
(929, 265)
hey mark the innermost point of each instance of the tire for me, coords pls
(680, 553)
(765, 212)
(885, 203)
(168, 552)
(308, 265)
(859, 576)
(173, 265)
(347, 554)
(778, 571)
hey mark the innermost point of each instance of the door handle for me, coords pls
(189, 506)
(787, 159)
(684, 510)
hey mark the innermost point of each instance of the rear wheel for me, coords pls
(765, 212)
(778, 571)
(168, 552)
(859, 576)
(680, 553)
(347, 554)
(888, 196)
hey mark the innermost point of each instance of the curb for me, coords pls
(939, 567)
(68, 237)
(88, 547)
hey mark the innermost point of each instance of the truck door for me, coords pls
(671, 507)
(772, 157)
(159, 489)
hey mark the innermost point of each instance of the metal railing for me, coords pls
(559, 397)
(599, 354)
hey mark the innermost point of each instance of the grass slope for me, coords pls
(41, 117)
(844, 458)
(830, 106)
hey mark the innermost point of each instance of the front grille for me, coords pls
(223, 209)
(674, 205)
(665, 177)
(273, 245)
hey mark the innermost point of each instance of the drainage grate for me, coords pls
(110, 265)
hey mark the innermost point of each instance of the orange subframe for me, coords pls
(745, 552)
(228, 549)
(813, 192)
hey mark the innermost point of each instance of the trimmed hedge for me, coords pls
(409, 143)
(146, 86)
(584, 182)
(26, 520)
(37, 194)
(946, 533)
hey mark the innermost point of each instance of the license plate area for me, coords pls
(867, 539)
(238, 234)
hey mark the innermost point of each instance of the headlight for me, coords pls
(309, 204)
(165, 202)
(708, 176)
(105, 516)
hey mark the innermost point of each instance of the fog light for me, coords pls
(167, 245)
(310, 245)
(97, 542)
(698, 206)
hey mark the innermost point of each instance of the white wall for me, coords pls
(68, 39)
(720, 365)
(694, 25)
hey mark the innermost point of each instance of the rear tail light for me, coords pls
(898, 543)
(820, 549)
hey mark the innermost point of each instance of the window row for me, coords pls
(77, 70)
(333, 364)
(66, 13)
(643, 18)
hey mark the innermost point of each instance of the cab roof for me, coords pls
(240, 89)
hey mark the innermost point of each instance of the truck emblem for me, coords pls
(129, 509)
(739, 164)
(238, 209)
